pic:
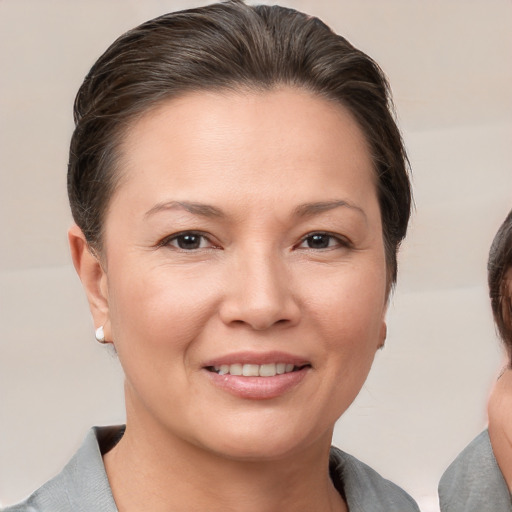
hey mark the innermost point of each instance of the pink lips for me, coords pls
(257, 388)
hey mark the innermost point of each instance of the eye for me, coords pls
(323, 241)
(188, 241)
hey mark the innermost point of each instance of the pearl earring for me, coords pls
(100, 334)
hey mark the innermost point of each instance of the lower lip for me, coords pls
(258, 388)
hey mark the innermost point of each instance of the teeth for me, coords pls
(235, 369)
(254, 370)
(267, 370)
(280, 368)
(251, 370)
(224, 369)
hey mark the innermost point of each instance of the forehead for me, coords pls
(246, 141)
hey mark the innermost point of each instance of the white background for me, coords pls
(450, 66)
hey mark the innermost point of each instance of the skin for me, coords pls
(274, 168)
(500, 416)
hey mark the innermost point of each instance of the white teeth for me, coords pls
(235, 369)
(250, 370)
(224, 368)
(267, 370)
(254, 370)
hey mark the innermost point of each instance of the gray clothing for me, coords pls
(473, 482)
(82, 486)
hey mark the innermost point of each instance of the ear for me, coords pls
(384, 327)
(93, 277)
(383, 334)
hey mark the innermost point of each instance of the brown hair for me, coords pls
(229, 46)
(500, 284)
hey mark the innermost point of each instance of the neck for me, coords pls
(500, 424)
(150, 469)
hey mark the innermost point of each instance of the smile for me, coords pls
(257, 376)
(255, 370)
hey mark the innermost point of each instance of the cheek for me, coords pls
(348, 316)
(351, 304)
(158, 310)
(156, 322)
(347, 321)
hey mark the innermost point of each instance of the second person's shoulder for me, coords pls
(473, 482)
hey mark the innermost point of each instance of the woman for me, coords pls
(240, 191)
(480, 478)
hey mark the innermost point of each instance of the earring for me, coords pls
(100, 334)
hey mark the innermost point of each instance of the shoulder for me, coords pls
(25, 506)
(82, 485)
(52, 496)
(364, 489)
(473, 481)
(20, 507)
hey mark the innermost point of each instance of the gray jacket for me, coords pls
(82, 486)
(473, 482)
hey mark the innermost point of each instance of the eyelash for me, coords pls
(339, 241)
(173, 238)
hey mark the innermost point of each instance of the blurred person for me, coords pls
(480, 478)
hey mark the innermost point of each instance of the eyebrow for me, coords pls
(310, 209)
(204, 210)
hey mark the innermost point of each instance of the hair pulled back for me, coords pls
(221, 47)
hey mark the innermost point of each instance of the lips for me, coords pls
(257, 376)
(254, 364)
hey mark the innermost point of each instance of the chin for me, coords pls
(264, 442)
(258, 451)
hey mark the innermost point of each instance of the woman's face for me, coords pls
(245, 238)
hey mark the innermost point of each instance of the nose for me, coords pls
(259, 293)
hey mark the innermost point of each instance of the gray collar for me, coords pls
(82, 486)
(364, 489)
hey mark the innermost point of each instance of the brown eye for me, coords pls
(189, 241)
(321, 241)
(318, 241)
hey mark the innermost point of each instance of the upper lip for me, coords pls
(257, 358)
